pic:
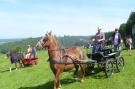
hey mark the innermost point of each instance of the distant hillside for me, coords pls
(65, 41)
(8, 40)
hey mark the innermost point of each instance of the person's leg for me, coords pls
(26, 56)
(29, 55)
(118, 48)
(94, 49)
(130, 50)
(98, 47)
(115, 48)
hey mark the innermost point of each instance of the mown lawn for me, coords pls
(41, 77)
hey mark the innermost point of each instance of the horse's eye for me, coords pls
(45, 39)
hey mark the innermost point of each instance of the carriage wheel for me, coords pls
(89, 68)
(120, 64)
(109, 68)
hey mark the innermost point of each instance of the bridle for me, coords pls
(65, 56)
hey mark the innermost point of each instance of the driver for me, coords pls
(99, 40)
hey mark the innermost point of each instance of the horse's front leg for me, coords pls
(59, 83)
(55, 83)
(57, 79)
(83, 66)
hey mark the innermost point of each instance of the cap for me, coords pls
(99, 28)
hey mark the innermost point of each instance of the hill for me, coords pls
(21, 44)
(2, 41)
(66, 41)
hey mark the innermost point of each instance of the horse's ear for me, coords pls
(46, 34)
(50, 33)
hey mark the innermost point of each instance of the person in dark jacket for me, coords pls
(116, 39)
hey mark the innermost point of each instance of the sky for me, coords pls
(33, 18)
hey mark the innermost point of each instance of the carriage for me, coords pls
(20, 58)
(106, 60)
(30, 61)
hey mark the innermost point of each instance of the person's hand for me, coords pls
(99, 40)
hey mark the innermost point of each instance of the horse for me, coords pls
(61, 60)
(15, 58)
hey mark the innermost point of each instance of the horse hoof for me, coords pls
(59, 87)
(82, 81)
(75, 79)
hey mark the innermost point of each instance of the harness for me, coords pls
(66, 57)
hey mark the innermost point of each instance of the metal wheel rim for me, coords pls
(109, 68)
(120, 64)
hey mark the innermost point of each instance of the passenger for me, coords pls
(33, 52)
(29, 52)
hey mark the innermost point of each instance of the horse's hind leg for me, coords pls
(76, 71)
(16, 66)
(83, 66)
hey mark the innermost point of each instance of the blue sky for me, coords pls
(33, 18)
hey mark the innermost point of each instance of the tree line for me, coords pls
(65, 41)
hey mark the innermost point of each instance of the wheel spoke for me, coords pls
(120, 64)
(108, 68)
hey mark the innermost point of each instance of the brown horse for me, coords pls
(61, 60)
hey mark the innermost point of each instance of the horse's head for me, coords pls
(45, 41)
(7, 54)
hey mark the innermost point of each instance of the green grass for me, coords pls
(41, 77)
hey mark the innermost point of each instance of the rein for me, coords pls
(59, 49)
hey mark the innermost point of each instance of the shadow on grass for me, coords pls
(2, 71)
(98, 73)
(49, 85)
(7, 70)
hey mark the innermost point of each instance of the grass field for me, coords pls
(41, 77)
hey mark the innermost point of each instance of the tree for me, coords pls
(130, 23)
(123, 30)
